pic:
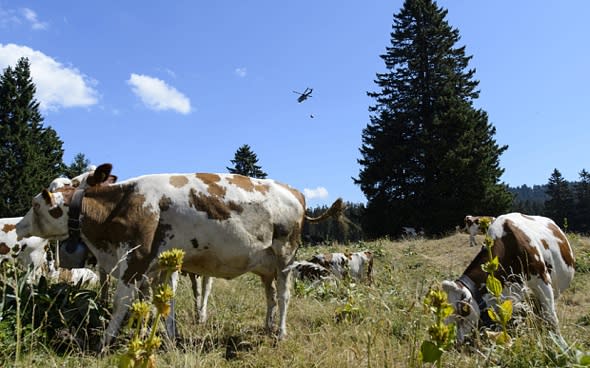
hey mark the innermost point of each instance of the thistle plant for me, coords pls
(441, 334)
(141, 350)
(501, 312)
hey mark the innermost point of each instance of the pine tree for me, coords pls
(30, 154)
(581, 218)
(428, 156)
(79, 165)
(560, 203)
(245, 163)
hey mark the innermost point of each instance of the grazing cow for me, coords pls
(357, 265)
(305, 270)
(85, 276)
(533, 253)
(472, 226)
(227, 225)
(411, 232)
(28, 252)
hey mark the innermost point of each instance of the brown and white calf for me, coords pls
(305, 270)
(28, 252)
(226, 224)
(533, 252)
(84, 276)
(473, 226)
(357, 265)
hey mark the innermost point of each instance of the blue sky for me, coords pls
(178, 86)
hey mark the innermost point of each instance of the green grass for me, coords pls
(346, 325)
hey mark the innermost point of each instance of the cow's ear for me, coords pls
(47, 197)
(100, 175)
(112, 179)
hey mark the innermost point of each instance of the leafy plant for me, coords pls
(141, 350)
(65, 316)
(349, 312)
(441, 334)
(501, 312)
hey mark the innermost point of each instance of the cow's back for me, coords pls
(549, 240)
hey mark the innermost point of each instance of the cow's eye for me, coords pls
(463, 308)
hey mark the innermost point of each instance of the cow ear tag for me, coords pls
(464, 309)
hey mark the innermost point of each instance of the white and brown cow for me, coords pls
(357, 265)
(226, 224)
(533, 252)
(473, 227)
(305, 270)
(28, 252)
(83, 276)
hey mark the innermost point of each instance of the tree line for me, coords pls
(567, 203)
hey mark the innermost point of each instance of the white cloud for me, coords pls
(241, 72)
(57, 85)
(31, 16)
(15, 17)
(157, 95)
(8, 17)
(319, 192)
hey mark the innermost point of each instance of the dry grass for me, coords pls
(386, 326)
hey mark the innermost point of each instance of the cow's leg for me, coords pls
(124, 296)
(271, 301)
(283, 283)
(544, 294)
(171, 318)
(104, 286)
(206, 284)
(196, 293)
(201, 292)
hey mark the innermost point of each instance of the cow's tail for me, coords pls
(336, 210)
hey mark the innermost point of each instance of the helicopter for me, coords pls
(305, 95)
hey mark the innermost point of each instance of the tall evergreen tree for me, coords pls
(245, 163)
(79, 165)
(581, 218)
(30, 154)
(428, 155)
(560, 204)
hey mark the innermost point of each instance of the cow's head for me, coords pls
(48, 217)
(470, 223)
(466, 311)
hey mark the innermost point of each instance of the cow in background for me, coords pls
(473, 227)
(305, 270)
(30, 252)
(411, 232)
(535, 258)
(357, 265)
(84, 276)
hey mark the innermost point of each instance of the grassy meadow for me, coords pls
(349, 325)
